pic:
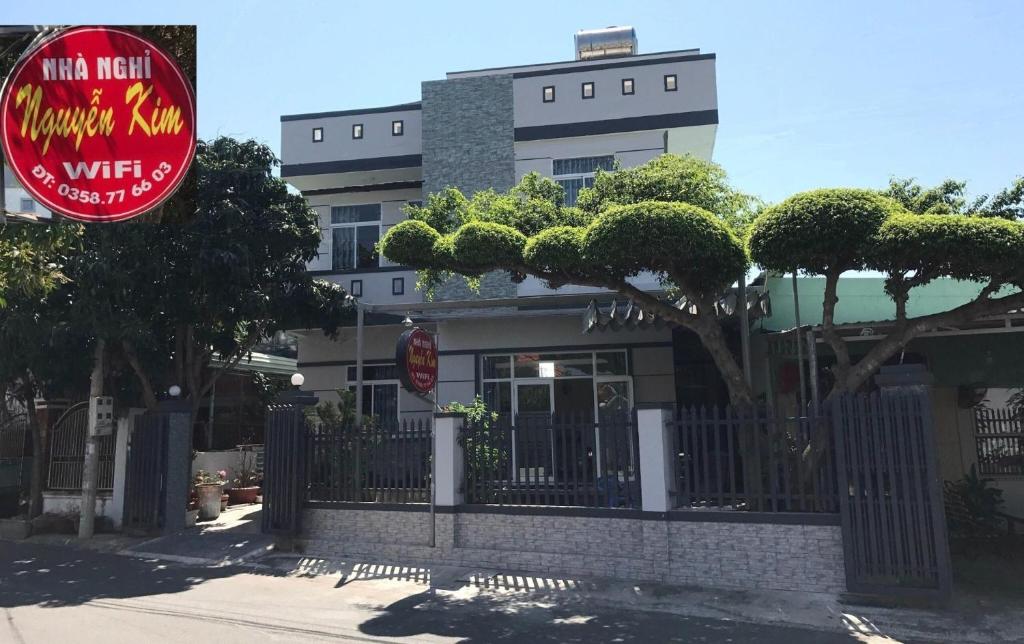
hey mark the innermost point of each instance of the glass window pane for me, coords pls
(613, 396)
(553, 365)
(496, 367)
(355, 214)
(385, 403)
(582, 165)
(611, 363)
(498, 396)
(343, 253)
(572, 189)
(367, 238)
(534, 399)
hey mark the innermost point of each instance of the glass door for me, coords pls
(531, 433)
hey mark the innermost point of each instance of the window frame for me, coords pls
(595, 378)
(401, 127)
(361, 130)
(352, 290)
(583, 90)
(632, 87)
(319, 130)
(355, 245)
(398, 286)
(23, 200)
(675, 82)
(559, 178)
(371, 386)
(544, 94)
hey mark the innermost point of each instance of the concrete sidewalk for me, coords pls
(233, 538)
(814, 611)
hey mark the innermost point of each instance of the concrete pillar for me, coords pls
(123, 432)
(657, 462)
(179, 464)
(448, 459)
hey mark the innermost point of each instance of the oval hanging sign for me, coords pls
(416, 357)
(98, 123)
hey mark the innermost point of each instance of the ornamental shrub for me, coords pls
(556, 250)
(957, 246)
(410, 242)
(483, 246)
(819, 230)
(664, 237)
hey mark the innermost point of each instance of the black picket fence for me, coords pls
(999, 434)
(753, 458)
(556, 460)
(384, 464)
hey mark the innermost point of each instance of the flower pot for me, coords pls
(240, 495)
(224, 498)
(209, 500)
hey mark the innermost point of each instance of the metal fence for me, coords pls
(67, 452)
(561, 460)
(999, 435)
(369, 464)
(753, 458)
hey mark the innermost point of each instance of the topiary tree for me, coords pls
(829, 232)
(674, 216)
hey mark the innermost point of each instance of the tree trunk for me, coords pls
(39, 452)
(87, 511)
(709, 330)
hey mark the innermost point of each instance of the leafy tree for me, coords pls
(949, 198)
(674, 216)
(169, 298)
(829, 232)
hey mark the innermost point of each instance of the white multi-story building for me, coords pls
(17, 200)
(484, 129)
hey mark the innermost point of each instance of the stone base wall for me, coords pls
(767, 556)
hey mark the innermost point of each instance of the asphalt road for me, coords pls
(54, 594)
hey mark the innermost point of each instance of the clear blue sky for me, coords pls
(810, 93)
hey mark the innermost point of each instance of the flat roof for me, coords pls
(616, 60)
(401, 107)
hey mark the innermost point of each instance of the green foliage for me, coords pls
(479, 246)
(410, 242)
(679, 239)
(820, 230)
(557, 250)
(968, 248)
(482, 444)
(33, 257)
(949, 198)
(669, 177)
(975, 505)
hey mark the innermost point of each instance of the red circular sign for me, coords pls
(98, 123)
(416, 357)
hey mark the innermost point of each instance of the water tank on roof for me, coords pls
(610, 42)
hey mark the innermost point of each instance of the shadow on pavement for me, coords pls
(51, 576)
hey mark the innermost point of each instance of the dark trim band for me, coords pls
(352, 165)
(615, 65)
(689, 53)
(358, 271)
(695, 516)
(610, 126)
(401, 107)
(374, 187)
(556, 348)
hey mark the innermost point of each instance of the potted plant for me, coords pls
(209, 486)
(246, 484)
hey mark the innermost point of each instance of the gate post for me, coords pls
(178, 464)
(123, 432)
(448, 458)
(657, 462)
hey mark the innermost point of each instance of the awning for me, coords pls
(630, 315)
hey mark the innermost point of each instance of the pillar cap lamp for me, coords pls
(174, 391)
(298, 379)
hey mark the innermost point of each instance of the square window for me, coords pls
(587, 90)
(357, 288)
(627, 86)
(670, 83)
(318, 134)
(549, 94)
(28, 205)
(397, 128)
(357, 130)
(398, 286)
